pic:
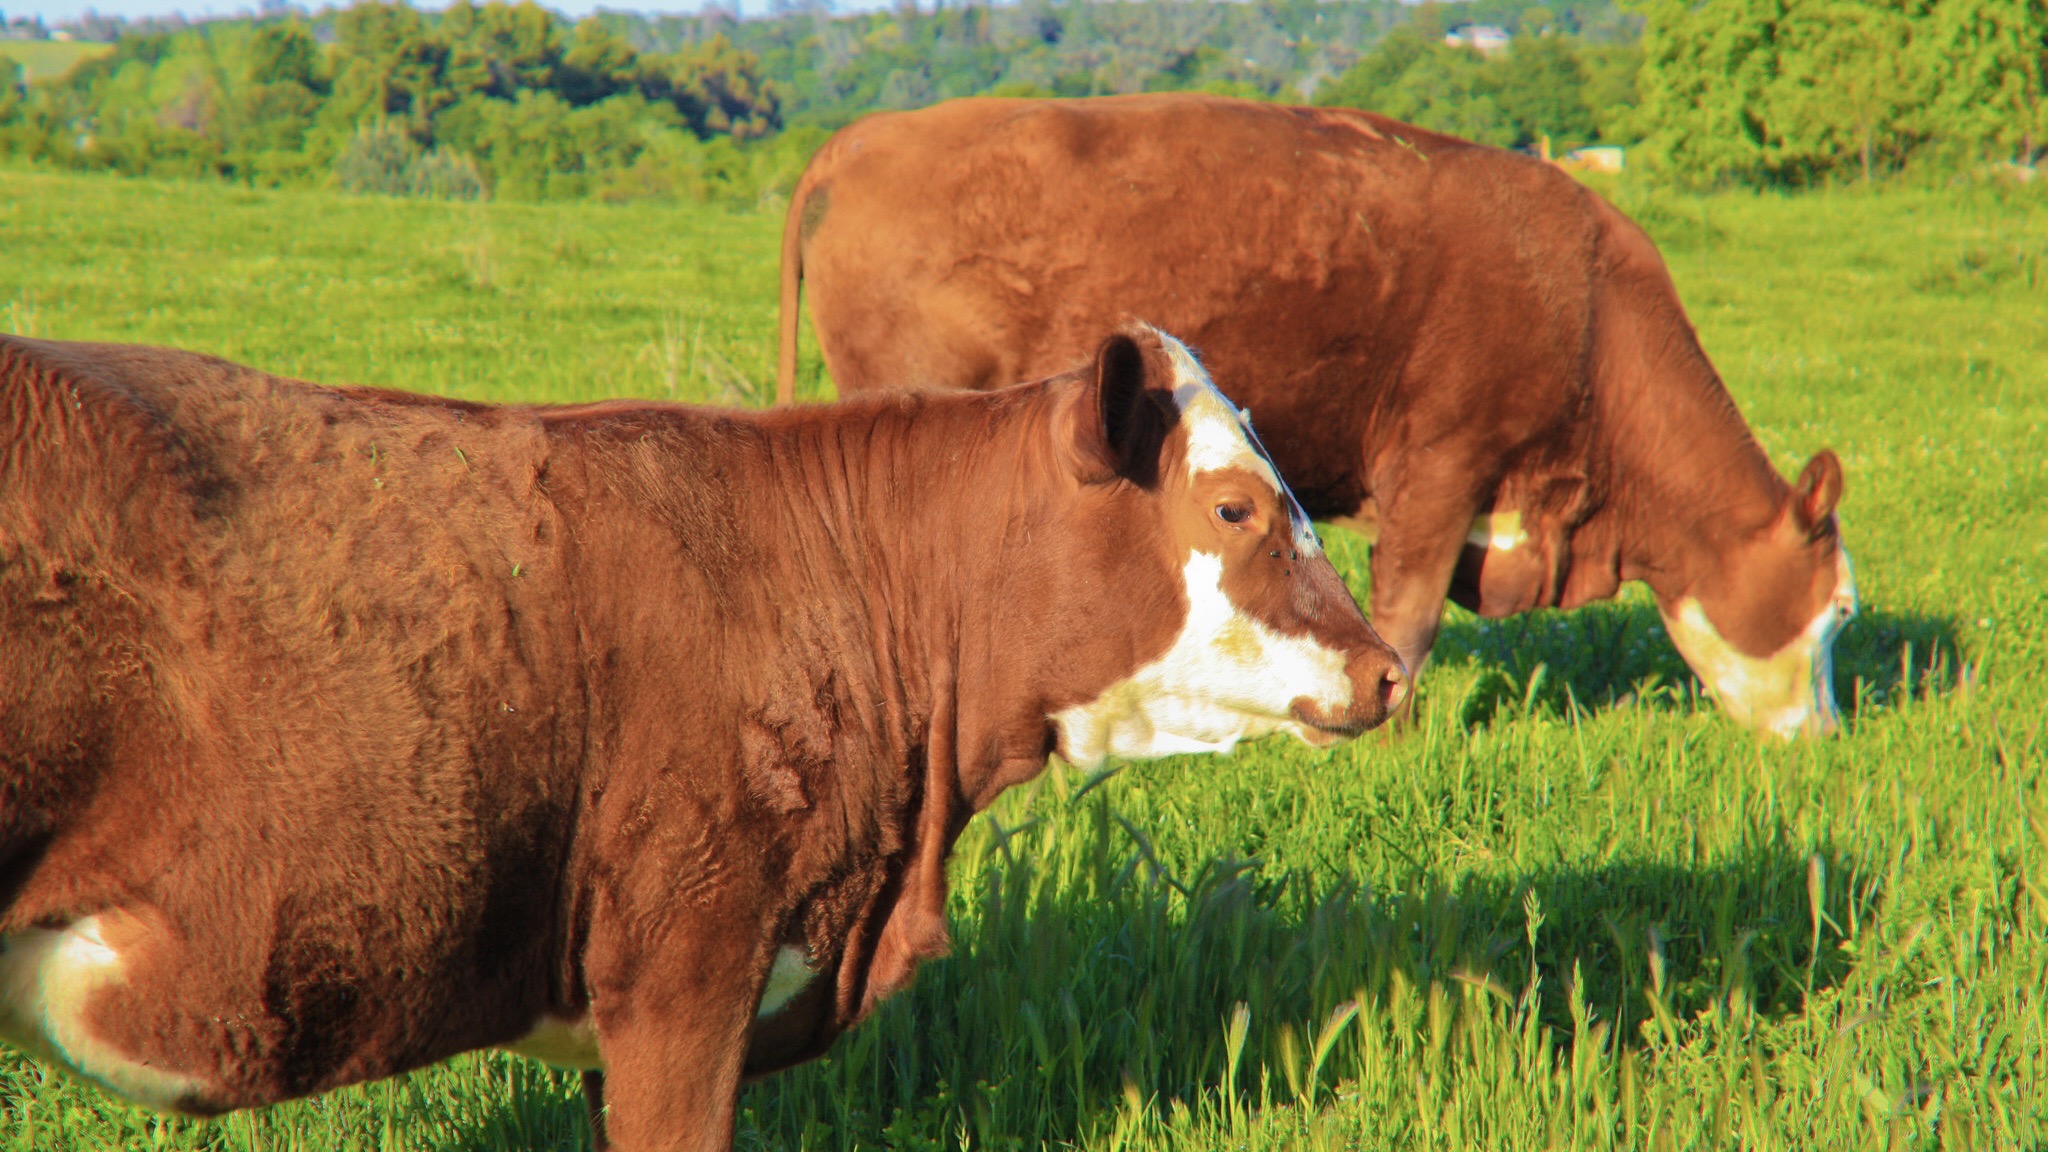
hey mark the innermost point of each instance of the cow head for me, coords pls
(1760, 629)
(1224, 618)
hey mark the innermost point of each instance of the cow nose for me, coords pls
(1379, 684)
(1393, 688)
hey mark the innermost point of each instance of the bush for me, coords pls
(383, 160)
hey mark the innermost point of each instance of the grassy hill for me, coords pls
(1574, 907)
(42, 59)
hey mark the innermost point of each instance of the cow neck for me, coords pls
(923, 507)
(904, 507)
(1688, 479)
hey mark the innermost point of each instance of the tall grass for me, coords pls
(1573, 907)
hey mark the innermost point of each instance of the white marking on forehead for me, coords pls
(1788, 692)
(47, 982)
(1227, 678)
(1498, 532)
(1220, 436)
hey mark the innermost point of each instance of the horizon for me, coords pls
(56, 13)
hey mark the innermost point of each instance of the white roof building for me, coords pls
(1485, 39)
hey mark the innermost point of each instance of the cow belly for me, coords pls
(572, 1043)
(48, 982)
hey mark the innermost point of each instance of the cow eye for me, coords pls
(1233, 513)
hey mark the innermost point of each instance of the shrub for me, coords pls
(383, 160)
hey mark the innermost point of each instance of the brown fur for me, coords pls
(374, 727)
(1424, 329)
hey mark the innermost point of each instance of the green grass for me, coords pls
(1573, 907)
(44, 59)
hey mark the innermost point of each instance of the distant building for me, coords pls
(1485, 39)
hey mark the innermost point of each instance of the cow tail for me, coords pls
(792, 295)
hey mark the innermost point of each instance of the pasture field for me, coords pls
(1572, 907)
(44, 59)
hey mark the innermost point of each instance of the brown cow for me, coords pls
(342, 731)
(1456, 349)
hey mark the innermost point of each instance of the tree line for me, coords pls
(1798, 92)
(510, 100)
(1557, 84)
(383, 97)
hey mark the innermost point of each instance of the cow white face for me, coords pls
(1270, 640)
(1788, 692)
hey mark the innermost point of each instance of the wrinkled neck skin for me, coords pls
(835, 596)
(897, 564)
(898, 569)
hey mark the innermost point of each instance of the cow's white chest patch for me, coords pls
(564, 1043)
(1788, 692)
(47, 981)
(1497, 532)
(1226, 678)
(791, 974)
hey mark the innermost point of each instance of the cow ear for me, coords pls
(1818, 491)
(1121, 421)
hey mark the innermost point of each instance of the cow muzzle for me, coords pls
(1379, 685)
(1787, 693)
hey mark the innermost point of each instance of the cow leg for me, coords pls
(673, 1010)
(672, 1071)
(1421, 533)
(593, 1100)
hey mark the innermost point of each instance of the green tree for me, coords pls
(381, 53)
(283, 53)
(1992, 58)
(502, 49)
(1846, 83)
(717, 88)
(1611, 73)
(374, 29)
(1365, 84)
(1451, 90)
(1414, 76)
(1540, 86)
(274, 101)
(13, 91)
(598, 63)
(1705, 70)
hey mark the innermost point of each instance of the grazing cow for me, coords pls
(1458, 350)
(342, 731)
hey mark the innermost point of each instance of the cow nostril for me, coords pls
(1393, 688)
